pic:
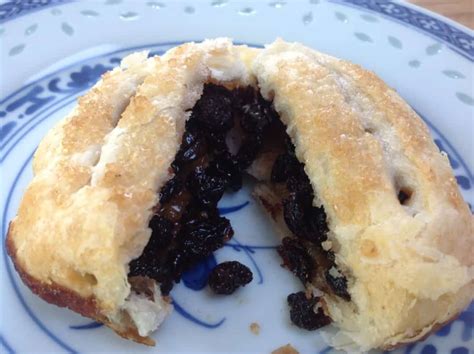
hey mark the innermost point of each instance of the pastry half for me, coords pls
(125, 188)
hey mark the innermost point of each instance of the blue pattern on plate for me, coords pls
(429, 349)
(460, 350)
(17, 8)
(177, 307)
(196, 278)
(467, 319)
(458, 40)
(326, 350)
(80, 80)
(232, 209)
(194, 319)
(56, 90)
(6, 130)
(5, 344)
(464, 182)
(41, 96)
(30, 99)
(90, 325)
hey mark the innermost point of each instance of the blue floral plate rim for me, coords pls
(458, 37)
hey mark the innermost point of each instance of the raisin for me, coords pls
(254, 119)
(146, 265)
(303, 219)
(165, 287)
(293, 213)
(296, 258)
(283, 168)
(316, 226)
(290, 148)
(195, 212)
(256, 113)
(176, 166)
(299, 182)
(217, 141)
(241, 96)
(330, 256)
(140, 266)
(206, 188)
(248, 151)
(302, 312)
(226, 277)
(169, 189)
(267, 109)
(227, 168)
(192, 147)
(176, 207)
(213, 111)
(202, 237)
(161, 234)
(178, 261)
(338, 285)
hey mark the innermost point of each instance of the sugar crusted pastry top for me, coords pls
(85, 214)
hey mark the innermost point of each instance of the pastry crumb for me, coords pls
(286, 349)
(255, 328)
(308, 293)
(327, 245)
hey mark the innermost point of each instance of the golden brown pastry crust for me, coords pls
(409, 266)
(63, 297)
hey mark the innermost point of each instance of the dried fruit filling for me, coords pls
(306, 312)
(226, 277)
(302, 253)
(186, 225)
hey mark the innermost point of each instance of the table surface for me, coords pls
(461, 11)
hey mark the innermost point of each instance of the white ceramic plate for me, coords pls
(52, 51)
